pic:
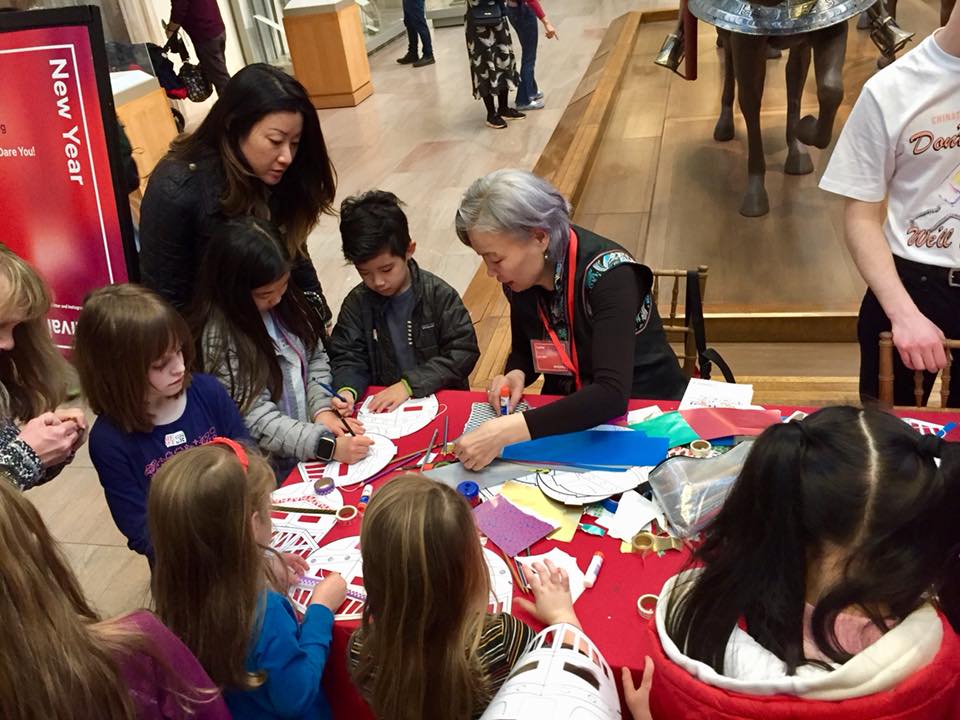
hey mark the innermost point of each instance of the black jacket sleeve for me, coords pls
(169, 223)
(615, 300)
(457, 345)
(348, 346)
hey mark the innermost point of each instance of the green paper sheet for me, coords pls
(670, 425)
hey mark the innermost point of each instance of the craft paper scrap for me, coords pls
(669, 425)
(409, 417)
(922, 426)
(512, 529)
(641, 414)
(710, 393)
(710, 423)
(583, 488)
(633, 514)
(481, 412)
(528, 497)
(594, 449)
(379, 456)
(562, 560)
(611, 428)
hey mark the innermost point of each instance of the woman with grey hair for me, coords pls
(581, 314)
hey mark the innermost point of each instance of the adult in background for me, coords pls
(202, 21)
(259, 151)
(523, 16)
(415, 21)
(900, 144)
(581, 313)
(36, 439)
(492, 66)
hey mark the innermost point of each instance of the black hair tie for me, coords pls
(930, 445)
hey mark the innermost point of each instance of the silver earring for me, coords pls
(546, 255)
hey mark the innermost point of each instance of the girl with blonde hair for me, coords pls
(214, 585)
(36, 439)
(426, 648)
(58, 659)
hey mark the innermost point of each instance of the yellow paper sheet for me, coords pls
(530, 497)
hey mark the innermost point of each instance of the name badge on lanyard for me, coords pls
(556, 356)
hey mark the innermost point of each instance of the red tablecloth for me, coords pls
(608, 611)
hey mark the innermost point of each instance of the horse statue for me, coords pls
(748, 30)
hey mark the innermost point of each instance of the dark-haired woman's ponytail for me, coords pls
(930, 446)
(757, 534)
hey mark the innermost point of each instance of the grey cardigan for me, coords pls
(285, 428)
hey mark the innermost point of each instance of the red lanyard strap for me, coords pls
(570, 362)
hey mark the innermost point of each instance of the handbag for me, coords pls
(198, 87)
(486, 12)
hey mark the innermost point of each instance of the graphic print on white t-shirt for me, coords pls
(902, 143)
(936, 225)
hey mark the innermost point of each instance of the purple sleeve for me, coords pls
(159, 689)
(179, 9)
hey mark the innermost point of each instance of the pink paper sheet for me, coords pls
(711, 423)
(508, 526)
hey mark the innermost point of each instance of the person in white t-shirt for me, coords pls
(901, 144)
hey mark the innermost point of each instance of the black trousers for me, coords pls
(929, 287)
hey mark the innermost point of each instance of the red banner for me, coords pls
(58, 207)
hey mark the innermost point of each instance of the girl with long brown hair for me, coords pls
(150, 405)
(213, 584)
(260, 152)
(58, 659)
(426, 648)
(36, 439)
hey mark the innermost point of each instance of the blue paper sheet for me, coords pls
(591, 448)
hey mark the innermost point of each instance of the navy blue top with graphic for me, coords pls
(126, 462)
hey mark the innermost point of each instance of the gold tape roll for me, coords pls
(645, 541)
(647, 605)
(700, 448)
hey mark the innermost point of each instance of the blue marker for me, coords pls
(333, 393)
(946, 429)
(504, 400)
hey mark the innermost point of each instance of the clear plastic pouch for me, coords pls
(691, 491)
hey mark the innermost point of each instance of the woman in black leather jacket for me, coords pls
(260, 151)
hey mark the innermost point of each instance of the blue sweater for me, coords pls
(126, 462)
(292, 655)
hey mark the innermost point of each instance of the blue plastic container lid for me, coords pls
(469, 489)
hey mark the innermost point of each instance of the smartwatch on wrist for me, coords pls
(326, 446)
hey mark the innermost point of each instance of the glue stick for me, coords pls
(504, 400)
(593, 569)
(365, 497)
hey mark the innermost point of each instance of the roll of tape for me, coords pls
(700, 448)
(647, 605)
(645, 541)
(347, 514)
(324, 486)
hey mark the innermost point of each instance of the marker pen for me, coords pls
(504, 400)
(593, 569)
(365, 497)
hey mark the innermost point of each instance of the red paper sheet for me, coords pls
(711, 423)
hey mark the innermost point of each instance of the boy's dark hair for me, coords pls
(372, 223)
(859, 480)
